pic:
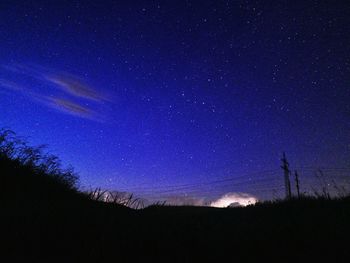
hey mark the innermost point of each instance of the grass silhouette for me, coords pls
(45, 218)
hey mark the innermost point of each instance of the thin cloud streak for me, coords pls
(72, 108)
(57, 103)
(71, 85)
(12, 86)
(75, 87)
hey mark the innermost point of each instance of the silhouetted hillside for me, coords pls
(28, 172)
(44, 218)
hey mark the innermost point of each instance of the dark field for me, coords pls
(71, 228)
(44, 218)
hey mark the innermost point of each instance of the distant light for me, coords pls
(234, 199)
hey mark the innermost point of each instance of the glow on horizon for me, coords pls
(234, 199)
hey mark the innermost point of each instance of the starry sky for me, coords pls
(162, 94)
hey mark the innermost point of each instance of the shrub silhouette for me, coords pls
(28, 173)
(29, 170)
(115, 197)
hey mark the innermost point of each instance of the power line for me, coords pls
(208, 182)
(245, 184)
(194, 193)
(170, 189)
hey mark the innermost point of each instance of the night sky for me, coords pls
(147, 96)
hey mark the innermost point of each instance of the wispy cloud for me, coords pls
(73, 87)
(62, 105)
(69, 83)
(10, 85)
(72, 108)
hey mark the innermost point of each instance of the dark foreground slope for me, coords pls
(44, 218)
(68, 227)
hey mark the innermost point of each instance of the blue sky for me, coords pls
(158, 93)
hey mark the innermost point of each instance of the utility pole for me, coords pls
(297, 183)
(285, 168)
